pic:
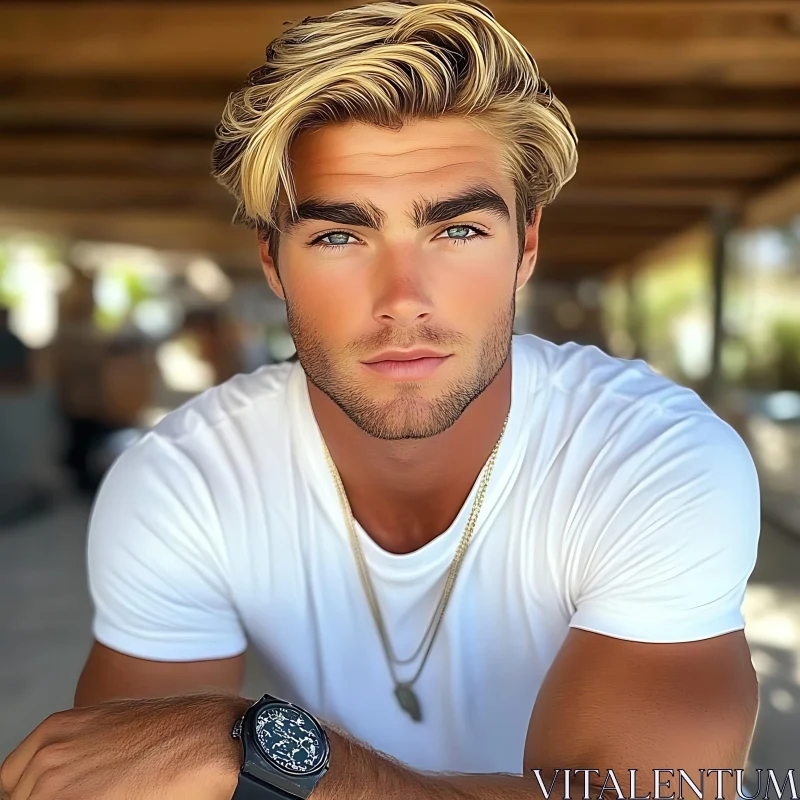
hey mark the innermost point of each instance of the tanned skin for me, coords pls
(605, 703)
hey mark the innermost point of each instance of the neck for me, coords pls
(405, 493)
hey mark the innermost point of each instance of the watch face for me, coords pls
(290, 739)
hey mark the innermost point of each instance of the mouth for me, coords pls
(406, 365)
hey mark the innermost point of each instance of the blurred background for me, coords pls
(124, 290)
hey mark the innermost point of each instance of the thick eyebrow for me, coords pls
(474, 198)
(424, 212)
(364, 214)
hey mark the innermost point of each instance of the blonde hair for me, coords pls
(385, 64)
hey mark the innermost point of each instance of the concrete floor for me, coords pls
(45, 634)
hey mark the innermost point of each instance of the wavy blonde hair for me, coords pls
(385, 64)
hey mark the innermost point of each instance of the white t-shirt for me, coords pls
(619, 503)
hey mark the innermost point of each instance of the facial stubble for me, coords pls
(408, 415)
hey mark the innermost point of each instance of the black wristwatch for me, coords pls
(286, 751)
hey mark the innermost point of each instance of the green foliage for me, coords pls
(668, 291)
(786, 337)
(7, 298)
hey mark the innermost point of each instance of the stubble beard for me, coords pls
(408, 415)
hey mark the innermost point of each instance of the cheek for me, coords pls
(331, 304)
(471, 289)
(471, 308)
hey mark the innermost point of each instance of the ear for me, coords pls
(529, 252)
(270, 269)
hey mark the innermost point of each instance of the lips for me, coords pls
(400, 355)
(410, 365)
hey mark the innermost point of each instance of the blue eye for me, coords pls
(333, 235)
(463, 233)
(462, 228)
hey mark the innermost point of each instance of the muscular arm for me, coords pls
(111, 675)
(158, 580)
(606, 704)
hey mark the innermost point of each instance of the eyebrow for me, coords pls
(474, 198)
(424, 212)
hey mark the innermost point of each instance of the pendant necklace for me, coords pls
(404, 691)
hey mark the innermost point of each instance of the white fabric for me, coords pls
(619, 503)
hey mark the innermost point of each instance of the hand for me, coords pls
(176, 747)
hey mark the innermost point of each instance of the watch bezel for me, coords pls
(259, 767)
(323, 737)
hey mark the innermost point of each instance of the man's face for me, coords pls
(379, 268)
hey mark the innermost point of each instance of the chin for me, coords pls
(391, 423)
(410, 411)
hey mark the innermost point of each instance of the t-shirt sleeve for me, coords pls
(156, 560)
(670, 525)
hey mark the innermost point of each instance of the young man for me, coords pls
(456, 550)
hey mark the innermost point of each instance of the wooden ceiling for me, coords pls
(107, 112)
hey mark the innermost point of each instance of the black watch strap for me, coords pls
(253, 789)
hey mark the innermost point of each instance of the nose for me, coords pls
(400, 296)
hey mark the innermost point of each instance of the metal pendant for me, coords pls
(408, 701)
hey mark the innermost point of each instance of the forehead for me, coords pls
(423, 157)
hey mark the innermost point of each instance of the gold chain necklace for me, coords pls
(404, 691)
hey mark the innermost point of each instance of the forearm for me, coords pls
(360, 773)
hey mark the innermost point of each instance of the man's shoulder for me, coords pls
(624, 412)
(237, 403)
(601, 412)
(193, 446)
(587, 377)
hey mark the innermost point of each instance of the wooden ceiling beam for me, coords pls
(661, 120)
(565, 218)
(777, 204)
(741, 44)
(128, 192)
(76, 153)
(194, 107)
(611, 195)
(595, 247)
(691, 160)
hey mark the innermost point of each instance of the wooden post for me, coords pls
(723, 221)
(635, 321)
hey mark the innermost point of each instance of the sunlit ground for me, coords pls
(772, 618)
